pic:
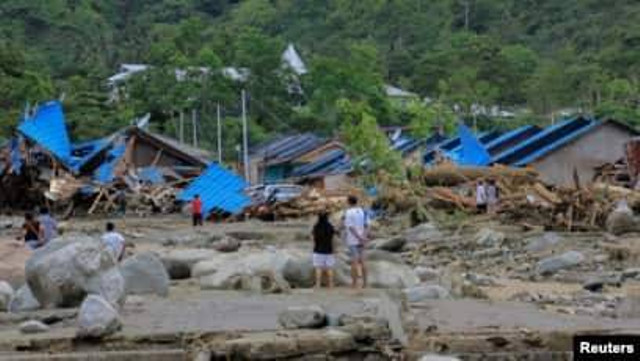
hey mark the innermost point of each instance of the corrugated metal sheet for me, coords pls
(288, 148)
(333, 162)
(545, 141)
(105, 172)
(48, 128)
(512, 138)
(453, 146)
(153, 175)
(219, 189)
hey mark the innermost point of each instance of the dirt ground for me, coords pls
(559, 302)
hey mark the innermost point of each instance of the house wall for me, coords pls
(144, 155)
(602, 145)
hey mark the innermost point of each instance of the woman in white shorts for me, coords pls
(323, 258)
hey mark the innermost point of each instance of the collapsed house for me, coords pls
(148, 171)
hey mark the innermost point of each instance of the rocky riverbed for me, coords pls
(459, 287)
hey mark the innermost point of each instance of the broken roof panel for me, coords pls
(105, 172)
(545, 141)
(220, 191)
(454, 145)
(153, 175)
(48, 129)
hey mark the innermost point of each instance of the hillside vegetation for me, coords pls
(540, 55)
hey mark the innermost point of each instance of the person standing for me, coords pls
(355, 238)
(114, 242)
(492, 196)
(481, 197)
(30, 232)
(196, 210)
(48, 227)
(323, 258)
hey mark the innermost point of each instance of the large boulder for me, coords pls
(302, 317)
(487, 237)
(551, 265)
(426, 274)
(23, 301)
(427, 292)
(299, 271)
(546, 241)
(423, 233)
(63, 272)
(384, 274)
(258, 271)
(144, 273)
(6, 294)
(97, 318)
(179, 262)
(620, 221)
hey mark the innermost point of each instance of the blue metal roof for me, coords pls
(151, 175)
(287, 148)
(546, 141)
(512, 138)
(47, 128)
(453, 146)
(105, 172)
(333, 162)
(220, 191)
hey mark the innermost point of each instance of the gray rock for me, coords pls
(299, 272)
(110, 285)
(392, 245)
(302, 317)
(488, 253)
(630, 273)
(61, 273)
(179, 262)
(620, 222)
(23, 301)
(480, 280)
(383, 274)
(6, 294)
(227, 244)
(33, 326)
(428, 292)
(551, 265)
(144, 273)
(438, 358)
(423, 233)
(542, 243)
(629, 307)
(487, 237)
(426, 274)
(97, 318)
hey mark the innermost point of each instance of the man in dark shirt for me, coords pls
(323, 258)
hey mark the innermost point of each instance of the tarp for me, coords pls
(219, 189)
(473, 152)
(48, 129)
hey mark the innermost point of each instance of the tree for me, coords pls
(367, 144)
(425, 118)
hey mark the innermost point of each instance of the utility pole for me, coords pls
(245, 137)
(219, 135)
(181, 126)
(195, 127)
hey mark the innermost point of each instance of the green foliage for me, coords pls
(543, 56)
(424, 119)
(366, 143)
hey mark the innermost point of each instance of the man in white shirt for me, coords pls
(355, 238)
(481, 197)
(114, 242)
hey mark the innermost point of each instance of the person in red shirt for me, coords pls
(196, 210)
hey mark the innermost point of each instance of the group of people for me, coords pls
(487, 196)
(355, 224)
(37, 232)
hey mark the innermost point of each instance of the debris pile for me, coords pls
(312, 201)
